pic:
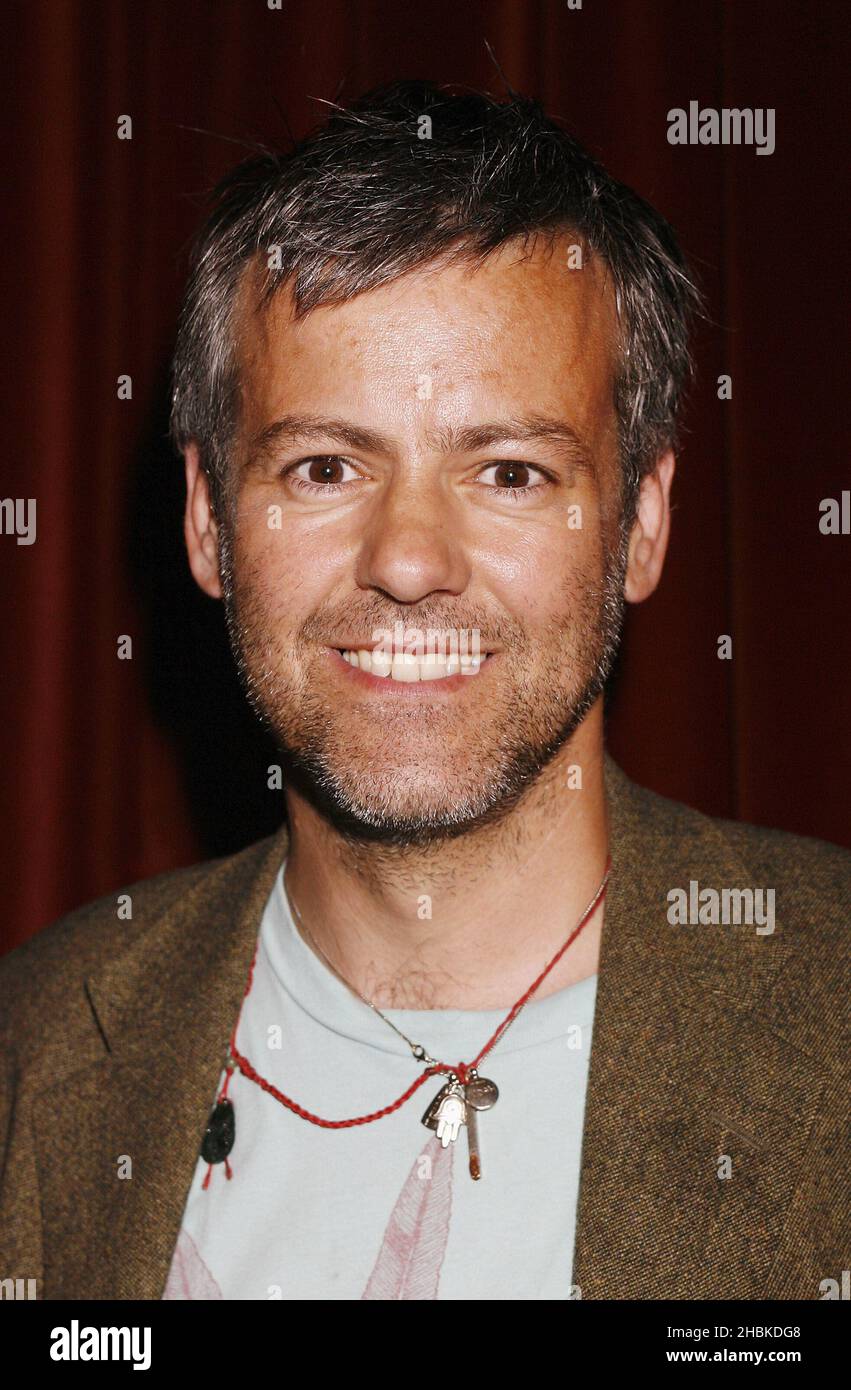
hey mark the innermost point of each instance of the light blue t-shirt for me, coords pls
(383, 1210)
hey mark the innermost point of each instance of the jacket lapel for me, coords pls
(163, 1012)
(682, 1073)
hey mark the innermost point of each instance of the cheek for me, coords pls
(300, 546)
(539, 574)
(258, 554)
(283, 574)
(261, 579)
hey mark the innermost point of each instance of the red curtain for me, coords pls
(117, 769)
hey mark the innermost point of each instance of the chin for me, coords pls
(385, 811)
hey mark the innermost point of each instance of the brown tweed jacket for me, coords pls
(708, 1040)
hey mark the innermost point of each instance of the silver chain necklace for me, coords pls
(463, 1095)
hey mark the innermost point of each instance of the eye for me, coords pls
(512, 475)
(326, 470)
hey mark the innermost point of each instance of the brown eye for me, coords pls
(510, 474)
(325, 470)
(325, 476)
(515, 480)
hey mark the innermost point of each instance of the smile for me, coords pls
(404, 672)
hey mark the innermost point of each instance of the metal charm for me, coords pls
(451, 1116)
(456, 1105)
(480, 1092)
(447, 1112)
(474, 1157)
(430, 1116)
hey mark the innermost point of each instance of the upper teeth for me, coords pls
(405, 666)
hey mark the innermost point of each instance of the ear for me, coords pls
(648, 541)
(199, 525)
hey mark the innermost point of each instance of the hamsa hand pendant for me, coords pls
(447, 1112)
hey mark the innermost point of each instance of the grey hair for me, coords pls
(363, 199)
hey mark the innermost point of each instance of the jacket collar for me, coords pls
(681, 1072)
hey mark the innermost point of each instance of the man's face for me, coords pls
(394, 514)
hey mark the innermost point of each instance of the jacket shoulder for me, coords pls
(815, 867)
(806, 867)
(39, 976)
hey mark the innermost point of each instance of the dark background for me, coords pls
(113, 770)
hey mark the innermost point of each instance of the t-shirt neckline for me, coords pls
(448, 1034)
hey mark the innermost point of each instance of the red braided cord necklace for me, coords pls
(459, 1069)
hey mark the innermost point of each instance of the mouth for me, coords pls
(406, 674)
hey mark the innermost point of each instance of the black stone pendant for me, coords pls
(220, 1133)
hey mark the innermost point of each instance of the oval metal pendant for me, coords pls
(481, 1092)
(220, 1134)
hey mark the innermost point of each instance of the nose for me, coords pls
(414, 545)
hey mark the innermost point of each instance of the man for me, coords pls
(426, 387)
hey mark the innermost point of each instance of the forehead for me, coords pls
(520, 330)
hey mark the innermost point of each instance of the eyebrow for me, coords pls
(294, 429)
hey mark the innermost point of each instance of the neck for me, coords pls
(471, 922)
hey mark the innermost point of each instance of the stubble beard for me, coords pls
(379, 779)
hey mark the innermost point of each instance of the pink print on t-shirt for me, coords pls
(189, 1277)
(411, 1254)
